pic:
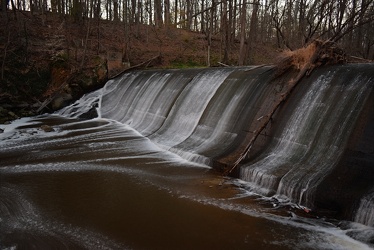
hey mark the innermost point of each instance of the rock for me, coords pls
(61, 101)
(92, 113)
(47, 128)
(12, 114)
(1, 130)
(32, 132)
(2, 110)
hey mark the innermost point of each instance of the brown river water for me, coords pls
(98, 184)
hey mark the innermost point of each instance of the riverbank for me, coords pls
(50, 60)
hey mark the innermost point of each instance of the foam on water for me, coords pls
(20, 216)
(30, 219)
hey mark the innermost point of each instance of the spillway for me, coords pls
(207, 116)
(130, 165)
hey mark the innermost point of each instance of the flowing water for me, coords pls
(128, 166)
(304, 152)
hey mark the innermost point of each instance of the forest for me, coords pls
(287, 24)
(61, 42)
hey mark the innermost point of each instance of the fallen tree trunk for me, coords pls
(318, 53)
(136, 66)
(57, 92)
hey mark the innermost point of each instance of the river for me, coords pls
(98, 184)
(132, 165)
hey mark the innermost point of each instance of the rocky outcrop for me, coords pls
(66, 84)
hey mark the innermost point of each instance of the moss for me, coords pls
(61, 60)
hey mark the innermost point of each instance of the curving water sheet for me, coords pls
(204, 114)
(309, 142)
(195, 113)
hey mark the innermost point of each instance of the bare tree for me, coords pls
(243, 22)
(252, 36)
(167, 13)
(158, 13)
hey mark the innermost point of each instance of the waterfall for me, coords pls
(365, 211)
(206, 114)
(311, 141)
(189, 108)
(195, 113)
(88, 103)
(205, 118)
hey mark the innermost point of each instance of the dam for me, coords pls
(143, 157)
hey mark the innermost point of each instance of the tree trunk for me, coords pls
(320, 48)
(4, 5)
(158, 13)
(225, 32)
(189, 14)
(167, 13)
(85, 45)
(252, 37)
(243, 20)
(115, 10)
(176, 12)
(202, 16)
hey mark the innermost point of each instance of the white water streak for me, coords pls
(307, 150)
(365, 211)
(188, 108)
